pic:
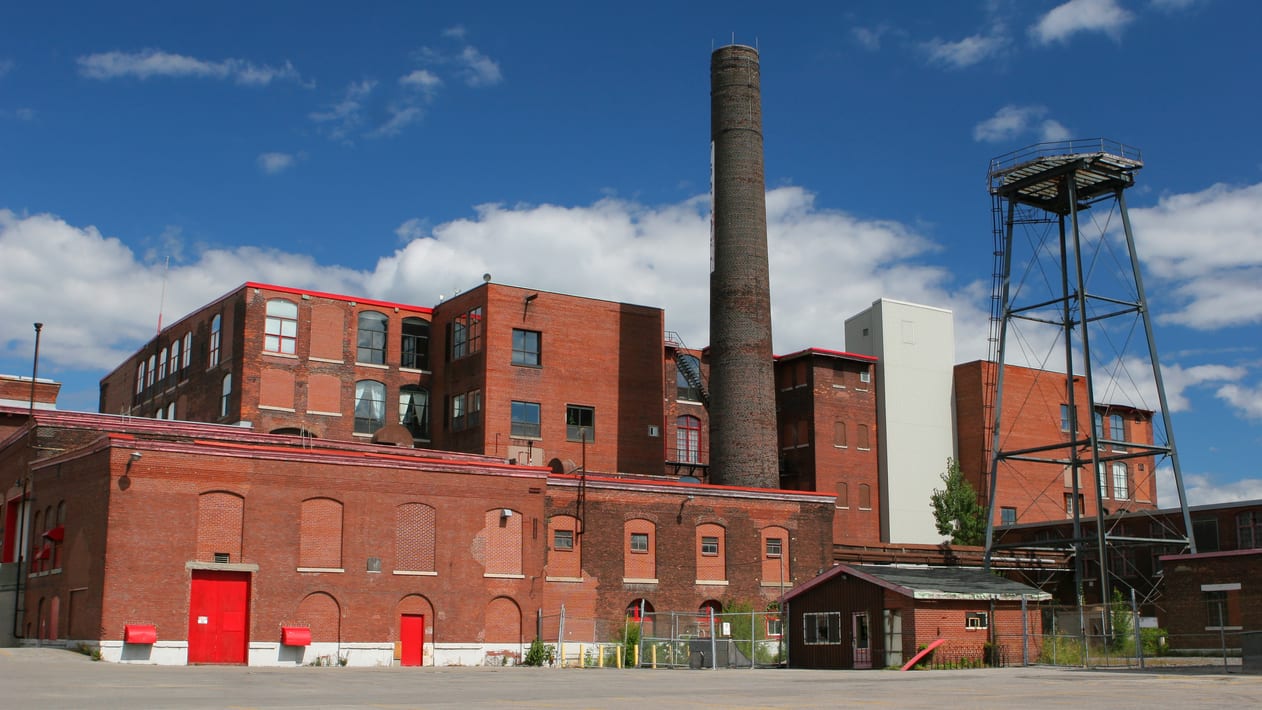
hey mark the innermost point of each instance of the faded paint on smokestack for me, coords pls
(743, 443)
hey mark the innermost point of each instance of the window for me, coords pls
(1117, 431)
(414, 410)
(188, 349)
(162, 365)
(171, 411)
(213, 357)
(1121, 481)
(466, 334)
(320, 534)
(843, 494)
(1007, 516)
(140, 377)
(865, 376)
(473, 407)
(861, 434)
(371, 338)
(563, 540)
(865, 497)
(525, 419)
(1249, 530)
(1099, 425)
(152, 371)
(820, 628)
(709, 545)
(280, 332)
(839, 434)
(976, 620)
(687, 378)
(774, 545)
(1205, 532)
(639, 559)
(526, 347)
(1102, 480)
(457, 413)
(415, 344)
(775, 627)
(1222, 606)
(1069, 504)
(175, 357)
(639, 542)
(225, 395)
(580, 423)
(688, 439)
(711, 562)
(1064, 417)
(370, 406)
(414, 537)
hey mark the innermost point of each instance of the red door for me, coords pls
(412, 639)
(218, 613)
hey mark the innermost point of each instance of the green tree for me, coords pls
(956, 510)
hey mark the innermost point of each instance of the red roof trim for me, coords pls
(830, 353)
(702, 487)
(339, 297)
(372, 455)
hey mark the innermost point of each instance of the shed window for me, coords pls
(821, 628)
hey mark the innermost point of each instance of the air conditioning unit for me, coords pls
(506, 513)
(653, 431)
(725, 629)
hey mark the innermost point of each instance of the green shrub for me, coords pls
(538, 653)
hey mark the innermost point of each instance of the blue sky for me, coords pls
(401, 150)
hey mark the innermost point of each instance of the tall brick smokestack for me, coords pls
(743, 443)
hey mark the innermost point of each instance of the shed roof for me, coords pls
(969, 583)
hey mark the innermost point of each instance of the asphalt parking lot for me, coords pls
(55, 678)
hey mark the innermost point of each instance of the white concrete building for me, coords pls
(915, 350)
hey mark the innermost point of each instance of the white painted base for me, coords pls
(271, 653)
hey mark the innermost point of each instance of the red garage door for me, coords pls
(218, 616)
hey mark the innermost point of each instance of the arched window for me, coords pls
(175, 357)
(188, 349)
(711, 553)
(371, 338)
(414, 410)
(213, 358)
(320, 534)
(415, 344)
(414, 538)
(152, 371)
(1121, 481)
(162, 365)
(225, 395)
(370, 406)
(140, 377)
(280, 332)
(171, 411)
(639, 552)
(688, 439)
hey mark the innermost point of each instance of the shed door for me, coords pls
(218, 615)
(861, 640)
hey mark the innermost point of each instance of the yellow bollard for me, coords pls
(600, 656)
(653, 655)
(618, 655)
(581, 658)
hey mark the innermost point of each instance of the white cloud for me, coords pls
(151, 63)
(1204, 489)
(1173, 5)
(422, 79)
(868, 37)
(1064, 21)
(20, 114)
(345, 116)
(86, 286)
(1011, 122)
(273, 163)
(1246, 400)
(479, 69)
(454, 32)
(965, 52)
(1206, 247)
(400, 118)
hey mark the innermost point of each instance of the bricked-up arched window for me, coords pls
(503, 622)
(711, 553)
(501, 538)
(415, 344)
(414, 538)
(843, 494)
(865, 497)
(280, 331)
(414, 410)
(320, 534)
(219, 525)
(213, 353)
(639, 550)
(688, 439)
(565, 552)
(775, 557)
(321, 613)
(371, 338)
(370, 406)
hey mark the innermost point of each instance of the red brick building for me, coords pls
(175, 542)
(1035, 413)
(826, 405)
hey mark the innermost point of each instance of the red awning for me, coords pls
(140, 633)
(57, 534)
(295, 636)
